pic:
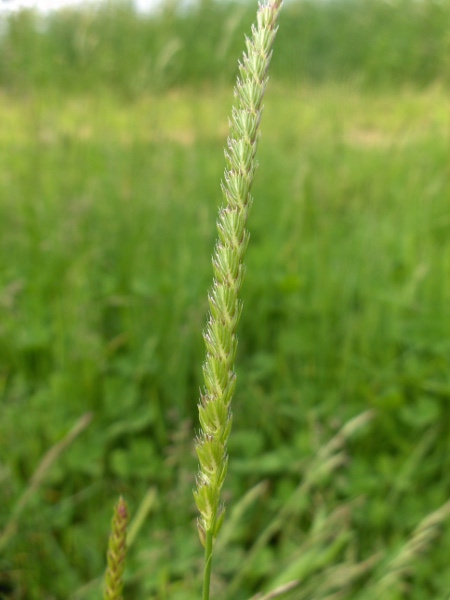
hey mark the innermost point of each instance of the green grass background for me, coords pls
(111, 135)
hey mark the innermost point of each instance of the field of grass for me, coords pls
(375, 43)
(107, 210)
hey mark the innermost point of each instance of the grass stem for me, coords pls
(208, 566)
(224, 303)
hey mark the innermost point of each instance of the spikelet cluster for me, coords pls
(116, 552)
(224, 304)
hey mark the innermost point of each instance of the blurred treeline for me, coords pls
(371, 42)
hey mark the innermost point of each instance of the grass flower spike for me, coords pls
(116, 552)
(224, 304)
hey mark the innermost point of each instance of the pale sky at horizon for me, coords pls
(45, 6)
(49, 5)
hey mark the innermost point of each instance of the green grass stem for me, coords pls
(224, 303)
(47, 462)
(208, 565)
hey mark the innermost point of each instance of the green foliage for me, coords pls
(372, 42)
(107, 209)
(107, 222)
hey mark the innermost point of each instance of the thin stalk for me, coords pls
(224, 304)
(208, 565)
(39, 476)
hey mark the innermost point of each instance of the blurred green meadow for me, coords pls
(112, 127)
